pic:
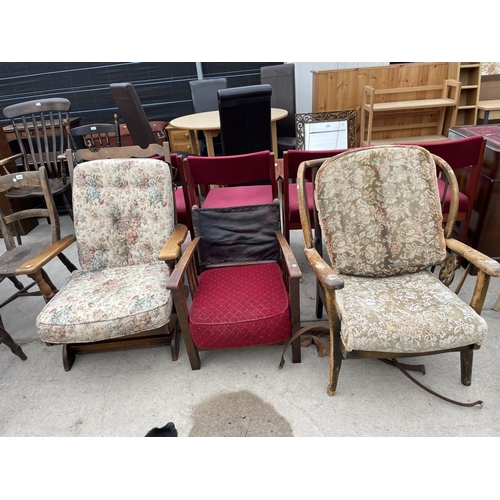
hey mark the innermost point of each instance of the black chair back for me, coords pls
(245, 119)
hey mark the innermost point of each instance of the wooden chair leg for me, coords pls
(466, 357)
(496, 307)
(9, 342)
(68, 357)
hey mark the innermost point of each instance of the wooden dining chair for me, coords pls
(245, 119)
(95, 135)
(42, 141)
(227, 181)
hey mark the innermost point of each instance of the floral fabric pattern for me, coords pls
(406, 313)
(379, 211)
(123, 215)
(105, 304)
(122, 210)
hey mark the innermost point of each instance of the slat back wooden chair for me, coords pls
(243, 279)
(381, 221)
(95, 136)
(42, 141)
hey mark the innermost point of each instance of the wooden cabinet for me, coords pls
(483, 234)
(469, 75)
(406, 114)
(179, 140)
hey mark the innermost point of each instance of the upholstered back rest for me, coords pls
(133, 113)
(123, 211)
(237, 234)
(294, 157)
(465, 153)
(245, 119)
(204, 93)
(282, 80)
(231, 170)
(379, 211)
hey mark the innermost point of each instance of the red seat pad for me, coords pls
(463, 201)
(240, 306)
(238, 196)
(293, 202)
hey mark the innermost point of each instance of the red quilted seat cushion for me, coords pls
(293, 202)
(237, 196)
(463, 201)
(240, 306)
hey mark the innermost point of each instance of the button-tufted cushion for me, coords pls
(123, 214)
(407, 313)
(379, 211)
(240, 306)
(123, 211)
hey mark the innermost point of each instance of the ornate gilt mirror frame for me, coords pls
(345, 119)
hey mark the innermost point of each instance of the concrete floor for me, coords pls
(235, 393)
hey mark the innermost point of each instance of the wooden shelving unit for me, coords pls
(406, 114)
(469, 75)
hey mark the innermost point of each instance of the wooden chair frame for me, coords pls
(329, 281)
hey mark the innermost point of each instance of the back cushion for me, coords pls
(238, 234)
(123, 211)
(379, 211)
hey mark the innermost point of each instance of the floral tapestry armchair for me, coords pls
(381, 224)
(128, 242)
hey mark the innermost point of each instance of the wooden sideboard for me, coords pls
(484, 233)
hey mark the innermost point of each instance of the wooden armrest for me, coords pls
(291, 263)
(323, 271)
(478, 259)
(4, 161)
(172, 248)
(177, 277)
(33, 265)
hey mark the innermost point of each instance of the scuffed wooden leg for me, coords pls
(466, 356)
(68, 357)
(9, 342)
(174, 331)
(496, 307)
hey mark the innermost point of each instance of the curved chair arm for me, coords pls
(323, 271)
(4, 161)
(33, 265)
(172, 248)
(482, 262)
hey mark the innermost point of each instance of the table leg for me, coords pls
(209, 136)
(486, 117)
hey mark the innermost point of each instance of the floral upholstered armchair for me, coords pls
(127, 242)
(381, 223)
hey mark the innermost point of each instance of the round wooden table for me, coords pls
(209, 123)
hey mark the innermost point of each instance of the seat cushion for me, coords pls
(405, 313)
(240, 306)
(105, 304)
(463, 201)
(293, 209)
(236, 196)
